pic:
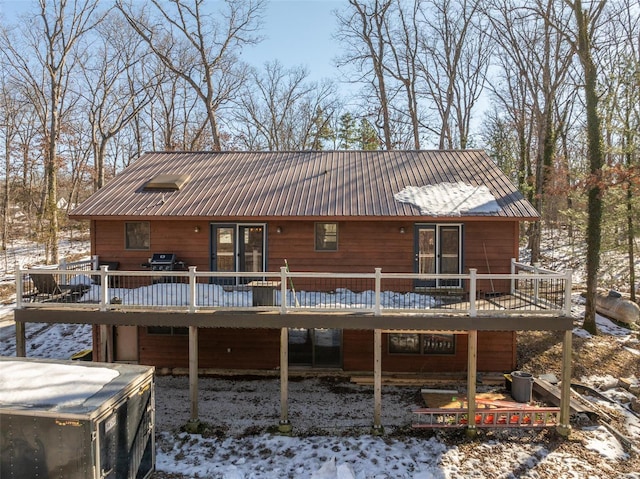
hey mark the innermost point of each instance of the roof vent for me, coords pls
(166, 182)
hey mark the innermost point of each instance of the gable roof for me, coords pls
(301, 184)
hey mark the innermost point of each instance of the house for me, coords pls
(436, 213)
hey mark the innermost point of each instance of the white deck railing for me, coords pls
(527, 290)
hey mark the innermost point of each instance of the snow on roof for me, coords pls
(50, 384)
(449, 199)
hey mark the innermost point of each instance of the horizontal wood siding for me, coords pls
(218, 348)
(489, 247)
(496, 352)
(259, 349)
(362, 245)
(166, 237)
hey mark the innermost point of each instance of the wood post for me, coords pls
(193, 372)
(284, 425)
(564, 427)
(472, 368)
(377, 381)
(21, 340)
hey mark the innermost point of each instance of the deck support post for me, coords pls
(564, 428)
(472, 368)
(103, 331)
(193, 373)
(21, 340)
(284, 425)
(377, 428)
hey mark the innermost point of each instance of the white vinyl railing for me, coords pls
(527, 290)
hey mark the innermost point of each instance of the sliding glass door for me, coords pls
(438, 250)
(238, 247)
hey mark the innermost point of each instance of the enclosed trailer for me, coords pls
(75, 420)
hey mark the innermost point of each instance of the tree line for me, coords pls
(548, 87)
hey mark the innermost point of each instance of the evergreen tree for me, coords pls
(368, 136)
(348, 135)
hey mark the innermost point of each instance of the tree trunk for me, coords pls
(595, 155)
(630, 240)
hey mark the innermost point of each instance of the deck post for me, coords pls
(21, 340)
(19, 288)
(104, 288)
(567, 292)
(377, 382)
(377, 309)
(284, 426)
(193, 372)
(283, 290)
(473, 279)
(192, 289)
(564, 428)
(103, 329)
(472, 368)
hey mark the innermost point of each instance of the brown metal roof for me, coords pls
(296, 184)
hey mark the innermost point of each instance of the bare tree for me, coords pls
(620, 105)
(9, 122)
(201, 48)
(117, 86)
(537, 54)
(586, 25)
(456, 54)
(282, 110)
(363, 31)
(46, 75)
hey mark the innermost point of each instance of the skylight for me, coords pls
(166, 182)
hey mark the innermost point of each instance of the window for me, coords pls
(422, 343)
(326, 236)
(137, 235)
(175, 330)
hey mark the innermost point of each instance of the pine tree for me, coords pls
(348, 134)
(368, 136)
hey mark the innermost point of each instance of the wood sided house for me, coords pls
(395, 261)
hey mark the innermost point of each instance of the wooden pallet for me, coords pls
(500, 417)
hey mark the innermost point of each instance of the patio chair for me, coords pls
(47, 288)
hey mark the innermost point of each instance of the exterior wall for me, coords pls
(218, 348)
(362, 246)
(259, 349)
(496, 352)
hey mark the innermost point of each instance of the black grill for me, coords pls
(163, 262)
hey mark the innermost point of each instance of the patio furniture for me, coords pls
(47, 288)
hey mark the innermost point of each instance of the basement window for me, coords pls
(408, 343)
(166, 182)
(168, 330)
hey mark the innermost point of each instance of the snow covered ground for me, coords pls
(331, 420)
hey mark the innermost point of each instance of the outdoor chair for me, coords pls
(47, 288)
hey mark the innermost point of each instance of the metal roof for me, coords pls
(302, 184)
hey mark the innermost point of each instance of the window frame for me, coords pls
(422, 341)
(146, 242)
(167, 330)
(320, 236)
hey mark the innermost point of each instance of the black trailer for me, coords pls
(68, 420)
